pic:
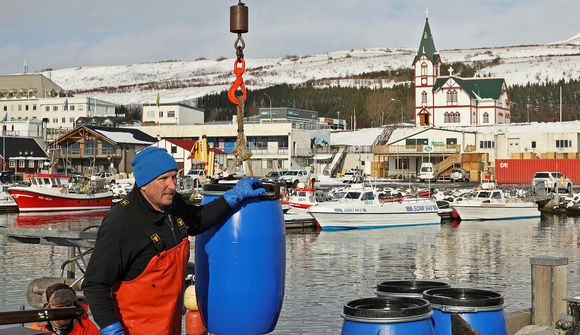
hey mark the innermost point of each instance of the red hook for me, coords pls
(239, 82)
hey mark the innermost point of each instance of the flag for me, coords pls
(66, 104)
(158, 99)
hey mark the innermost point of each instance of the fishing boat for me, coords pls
(362, 209)
(494, 205)
(50, 192)
(7, 203)
(304, 198)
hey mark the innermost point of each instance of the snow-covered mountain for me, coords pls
(187, 80)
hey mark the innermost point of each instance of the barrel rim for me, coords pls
(374, 308)
(272, 189)
(457, 297)
(409, 286)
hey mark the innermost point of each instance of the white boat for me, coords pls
(361, 209)
(493, 205)
(7, 203)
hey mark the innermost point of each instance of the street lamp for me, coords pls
(338, 118)
(402, 115)
(270, 112)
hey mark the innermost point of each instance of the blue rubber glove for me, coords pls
(244, 189)
(113, 329)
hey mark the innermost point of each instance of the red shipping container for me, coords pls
(521, 171)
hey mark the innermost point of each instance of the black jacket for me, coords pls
(123, 249)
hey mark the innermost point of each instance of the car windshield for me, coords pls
(541, 175)
(292, 173)
(272, 174)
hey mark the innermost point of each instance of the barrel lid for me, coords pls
(463, 297)
(272, 190)
(387, 307)
(409, 286)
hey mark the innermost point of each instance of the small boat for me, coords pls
(7, 203)
(49, 192)
(493, 205)
(361, 209)
(301, 198)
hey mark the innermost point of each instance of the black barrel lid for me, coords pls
(463, 297)
(409, 286)
(272, 190)
(386, 307)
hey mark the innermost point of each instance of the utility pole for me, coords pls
(560, 103)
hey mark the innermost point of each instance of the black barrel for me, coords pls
(407, 288)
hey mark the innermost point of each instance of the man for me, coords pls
(134, 280)
(58, 296)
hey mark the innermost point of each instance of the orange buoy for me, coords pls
(194, 323)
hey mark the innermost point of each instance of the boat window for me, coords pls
(46, 181)
(352, 195)
(483, 195)
(496, 195)
(33, 182)
(301, 194)
(368, 196)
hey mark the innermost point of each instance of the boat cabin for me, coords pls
(47, 180)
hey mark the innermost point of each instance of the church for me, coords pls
(443, 101)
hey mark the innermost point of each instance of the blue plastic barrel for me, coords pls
(387, 315)
(240, 265)
(407, 288)
(482, 309)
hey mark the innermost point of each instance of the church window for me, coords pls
(452, 97)
(423, 69)
(457, 117)
(446, 118)
(485, 117)
(424, 98)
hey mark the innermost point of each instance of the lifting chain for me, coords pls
(239, 25)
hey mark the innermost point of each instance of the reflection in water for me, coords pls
(326, 270)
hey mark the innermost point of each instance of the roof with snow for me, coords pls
(124, 135)
(37, 84)
(365, 136)
(477, 88)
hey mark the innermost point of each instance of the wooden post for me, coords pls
(549, 289)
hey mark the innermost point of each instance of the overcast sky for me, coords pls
(69, 33)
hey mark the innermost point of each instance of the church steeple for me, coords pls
(427, 46)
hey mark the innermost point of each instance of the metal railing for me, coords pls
(416, 149)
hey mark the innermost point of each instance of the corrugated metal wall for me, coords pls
(521, 171)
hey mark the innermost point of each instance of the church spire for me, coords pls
(427, 46)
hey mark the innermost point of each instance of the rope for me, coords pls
(241, 151)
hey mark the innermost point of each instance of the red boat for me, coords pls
(48, 193)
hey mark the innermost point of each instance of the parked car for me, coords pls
(459, 174)
(273, 176)
(108, 177)
(294, 177)
(553, 181)
(427, 172)
(196, 173)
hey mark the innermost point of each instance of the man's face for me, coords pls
(61, 323)
(160, 191)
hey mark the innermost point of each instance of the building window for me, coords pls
(486, 144)
(5, 108)
(47, 108)
(11, 164)
(424, 98)
(55, 108)
(72, 107)
(452, 97)
(150, 114)
(423, 69)
(81, 107)
(451, 141)
(54, 120)
(160, 113)
(31, 163)
(533, 144)
(63, 120)
(71, 119)
(34, 107)
(402, 163)
(19, 107)
(171, 114)
(563, 143)
(21, 163)
(26, 107)
(173, 149)
(457, 117)
(485, 117)
(446, 118)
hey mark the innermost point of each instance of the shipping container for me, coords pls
(521, 171)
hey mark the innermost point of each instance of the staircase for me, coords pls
(337, 160)
(383, 138)
(449, 162)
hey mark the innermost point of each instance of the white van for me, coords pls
(427, 172)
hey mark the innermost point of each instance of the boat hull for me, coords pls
(339, 216)
(472, 212)
(33, 199)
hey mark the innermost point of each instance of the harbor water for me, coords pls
(326, 270)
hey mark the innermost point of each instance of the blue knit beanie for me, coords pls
(150, 163)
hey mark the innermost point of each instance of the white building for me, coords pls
(451, 100)
(34, 96)
(171, 113)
